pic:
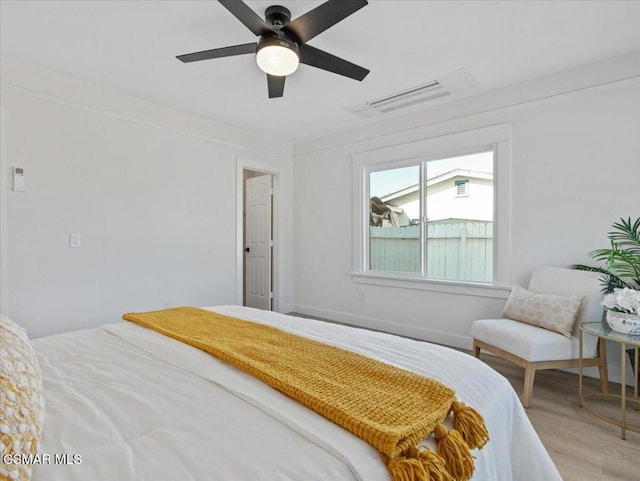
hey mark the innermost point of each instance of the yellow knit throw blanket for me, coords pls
(391, 409)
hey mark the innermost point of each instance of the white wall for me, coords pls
(575, 170)
(152, 192)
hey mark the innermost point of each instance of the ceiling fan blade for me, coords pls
(248, 17)
(322, 17)
(320, 59)
(219, 52)
(276, 85)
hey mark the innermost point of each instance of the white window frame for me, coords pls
(496, 138)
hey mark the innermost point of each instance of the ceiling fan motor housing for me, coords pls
(277, 15)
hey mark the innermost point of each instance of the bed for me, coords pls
(125, 402)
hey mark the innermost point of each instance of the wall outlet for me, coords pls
(361, 296)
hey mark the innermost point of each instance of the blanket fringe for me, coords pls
(433, 464)
(455, 452)
(407, 469)
(453, 461)
(418, 464)
(470, 424)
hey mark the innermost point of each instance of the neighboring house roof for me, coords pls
(472, 174)
(437, 179)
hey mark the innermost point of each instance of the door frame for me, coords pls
(4, 188)
(241, 166)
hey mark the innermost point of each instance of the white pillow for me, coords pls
(21, 399)
(555, 313)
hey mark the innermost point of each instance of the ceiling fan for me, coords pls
(283, 43)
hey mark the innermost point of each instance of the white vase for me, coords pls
(624, 323)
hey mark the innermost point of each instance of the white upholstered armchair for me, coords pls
(533, 347)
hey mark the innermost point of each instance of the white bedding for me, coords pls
(140, 406)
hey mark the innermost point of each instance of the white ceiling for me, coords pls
(130, 46)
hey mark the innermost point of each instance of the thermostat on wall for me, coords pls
(18, 179)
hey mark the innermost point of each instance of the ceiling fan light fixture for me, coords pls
(283, 44)
(276, 56)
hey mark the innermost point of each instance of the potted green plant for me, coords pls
(621, 276)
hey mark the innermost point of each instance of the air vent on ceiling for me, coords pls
(445, 86)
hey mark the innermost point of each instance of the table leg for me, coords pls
(580, 369)
(635, 384)
(623, 395)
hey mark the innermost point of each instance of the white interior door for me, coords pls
(258, 242)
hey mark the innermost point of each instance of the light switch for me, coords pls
(74, 240)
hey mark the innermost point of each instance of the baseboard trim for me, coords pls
(421, 333)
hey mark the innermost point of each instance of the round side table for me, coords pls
(603, 332)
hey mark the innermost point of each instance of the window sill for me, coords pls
(449, 287)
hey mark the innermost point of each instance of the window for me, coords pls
(423, 213)
(431, 216)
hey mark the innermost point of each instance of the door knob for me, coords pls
(247, 249)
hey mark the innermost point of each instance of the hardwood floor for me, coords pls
(582, 446)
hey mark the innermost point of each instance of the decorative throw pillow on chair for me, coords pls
(552, 312)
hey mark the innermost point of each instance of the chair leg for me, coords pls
(529, 375)
(604, 375)
(476, 350)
